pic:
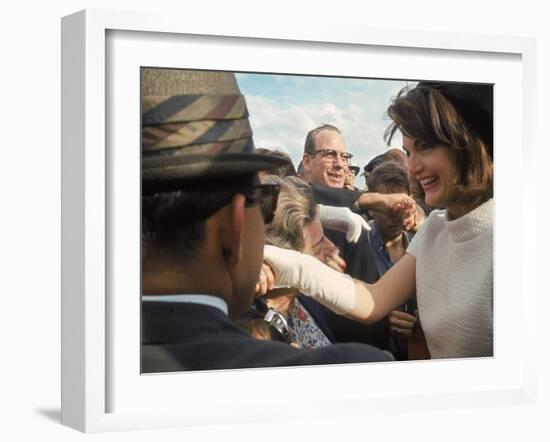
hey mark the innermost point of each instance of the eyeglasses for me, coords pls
(265, 194)
(331, 154)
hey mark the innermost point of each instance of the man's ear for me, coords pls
(306, 161)
(236, 230)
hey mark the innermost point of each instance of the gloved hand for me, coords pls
(343, 220)
(313, 278)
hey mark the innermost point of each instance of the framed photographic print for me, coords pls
(103, 387)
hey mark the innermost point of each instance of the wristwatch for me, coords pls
(276, 320)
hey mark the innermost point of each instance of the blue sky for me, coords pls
(283, 108)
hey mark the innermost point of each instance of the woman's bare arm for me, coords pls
(374, 301)
(339, 292)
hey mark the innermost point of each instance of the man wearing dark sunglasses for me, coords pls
(203, 216)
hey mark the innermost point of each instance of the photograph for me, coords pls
(291, 220)
(284, 221)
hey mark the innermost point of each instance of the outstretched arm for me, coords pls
(343, 220)
(339, 292)
(392, 204)
(374, 301)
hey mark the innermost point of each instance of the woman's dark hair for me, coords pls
(429, 116)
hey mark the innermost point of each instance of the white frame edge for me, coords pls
(83, 222)
(84, 344)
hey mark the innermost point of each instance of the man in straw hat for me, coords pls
(203, 229)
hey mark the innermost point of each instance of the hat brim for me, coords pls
(168, 173)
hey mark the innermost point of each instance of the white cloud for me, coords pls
(280, 124)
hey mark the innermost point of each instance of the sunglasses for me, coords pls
(266, 195)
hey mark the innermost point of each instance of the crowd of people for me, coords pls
(249, 262)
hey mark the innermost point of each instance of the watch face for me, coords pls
(278, 322)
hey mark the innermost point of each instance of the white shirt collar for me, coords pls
(211, 300)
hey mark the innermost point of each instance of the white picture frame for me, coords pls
(91, 363)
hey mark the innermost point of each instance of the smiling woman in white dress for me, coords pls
(447, 136)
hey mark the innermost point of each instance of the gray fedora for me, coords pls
(195, 128)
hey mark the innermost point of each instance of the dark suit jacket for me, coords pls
(186, 336)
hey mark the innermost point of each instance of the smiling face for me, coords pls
(435, 168)
(325, 171)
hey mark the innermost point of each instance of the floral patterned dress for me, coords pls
(304, 329)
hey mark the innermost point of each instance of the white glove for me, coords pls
(343, 220)
(313, 278)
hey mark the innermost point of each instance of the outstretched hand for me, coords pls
(398, 205)
(281, 267)
(266, 280)
(311, 277)
(344, 220)
(403, 207)
(406, 211)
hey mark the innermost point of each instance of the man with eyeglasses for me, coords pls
(326, 161)
(325, 157)
(203, 233)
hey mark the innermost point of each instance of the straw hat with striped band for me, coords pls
(194, 129)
